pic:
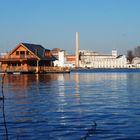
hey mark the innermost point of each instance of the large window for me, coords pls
(22, 52)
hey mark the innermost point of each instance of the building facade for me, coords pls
(27, 57)
(64, 60)
(70, 60)
(60, 62)
(92, 59)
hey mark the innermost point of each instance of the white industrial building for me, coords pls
(92, 59)
(60, 59)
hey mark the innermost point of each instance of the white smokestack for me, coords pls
(77, 51)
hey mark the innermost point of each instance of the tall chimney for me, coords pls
(77, 51)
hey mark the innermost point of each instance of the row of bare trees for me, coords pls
(133, 53)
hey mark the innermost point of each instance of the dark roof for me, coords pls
(36, 49)
(119, 56)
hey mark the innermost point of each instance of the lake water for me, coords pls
(75, 106)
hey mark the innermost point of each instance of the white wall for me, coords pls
(61, 59)
(95, 60)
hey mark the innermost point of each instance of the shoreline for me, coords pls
(84, 70)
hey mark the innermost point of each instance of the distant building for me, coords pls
(60, 62)
(136, 62)
(100, 60)
(2, 55)
(55, 52)
(63, 59)
(70, 60)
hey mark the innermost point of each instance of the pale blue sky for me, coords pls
(102, 24)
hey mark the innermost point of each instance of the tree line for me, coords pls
(133, 53)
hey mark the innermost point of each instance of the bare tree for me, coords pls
(137, 51)
(130, 55)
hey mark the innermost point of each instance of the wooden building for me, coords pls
(27, 58)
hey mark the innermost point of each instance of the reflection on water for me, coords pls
(66, 106)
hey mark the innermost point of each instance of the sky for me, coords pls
(102, 25)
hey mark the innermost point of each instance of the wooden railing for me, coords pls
(17, 57)
(33, 68)
(16, 68)
(56, 69)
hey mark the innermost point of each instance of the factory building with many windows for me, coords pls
(90, 59)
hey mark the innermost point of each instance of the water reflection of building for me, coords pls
(61, 93)
(92, 77)
(19, 83)
(61, 85)
(77, 87)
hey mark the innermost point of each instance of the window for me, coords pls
(17, 52)
(13, 64)
(22, 52)
(27, 52)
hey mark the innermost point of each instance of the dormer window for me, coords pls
(47, 53)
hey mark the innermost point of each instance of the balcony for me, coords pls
(16, 58)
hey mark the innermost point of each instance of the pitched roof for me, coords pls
(36, 49)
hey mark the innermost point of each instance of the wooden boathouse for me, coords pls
(28, 58)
